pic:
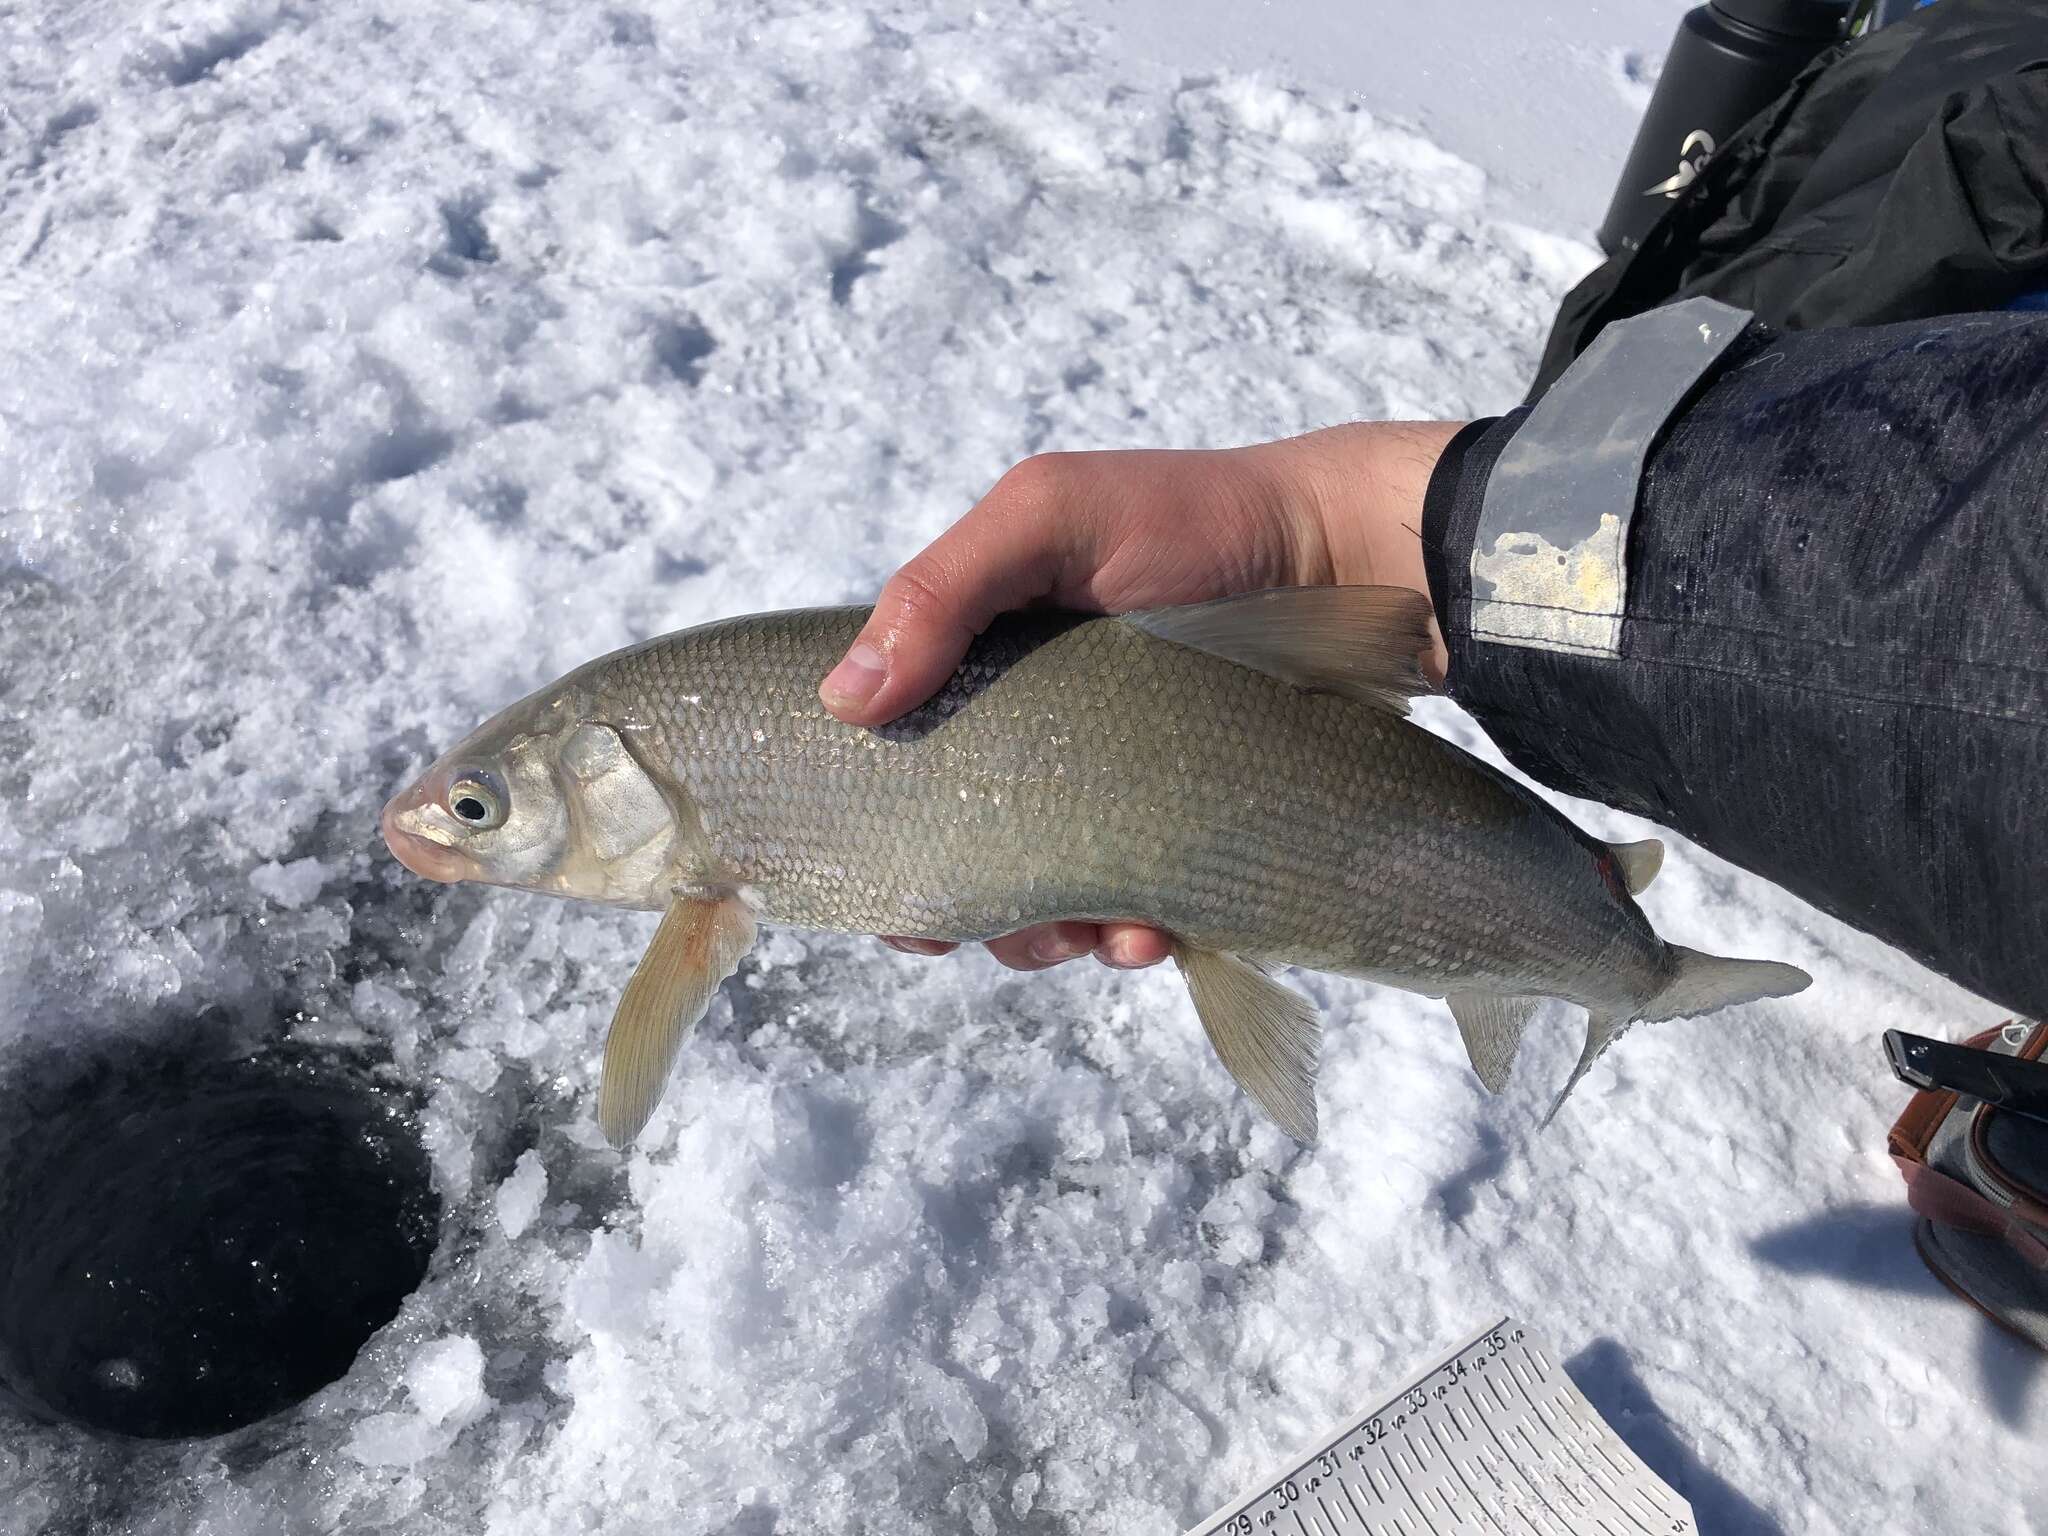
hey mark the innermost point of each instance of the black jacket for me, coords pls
(1903, 175)
(1829, 661)
(1832, 666)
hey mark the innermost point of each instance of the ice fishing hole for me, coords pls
(188, 1245)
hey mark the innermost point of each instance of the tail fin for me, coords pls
(1700, 984)
(1706, 982)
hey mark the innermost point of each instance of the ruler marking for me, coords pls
(1476, 1499)
(1354, 1504)
(1637, 1520)
(1562, 1483)
(1508, 1457)
(1413, 1500)
(1619, 1507)
(1502, 1444)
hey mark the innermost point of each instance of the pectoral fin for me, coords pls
(1267, 1036)
(698, 945)
(1493, 1027)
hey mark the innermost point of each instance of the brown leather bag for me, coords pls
(1978, 1178)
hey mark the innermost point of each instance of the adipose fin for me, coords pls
(1638, 862)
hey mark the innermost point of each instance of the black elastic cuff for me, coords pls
(1450, 518)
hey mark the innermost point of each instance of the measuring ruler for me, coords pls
(1493, 1441)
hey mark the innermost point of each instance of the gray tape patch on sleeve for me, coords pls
(1549, 567)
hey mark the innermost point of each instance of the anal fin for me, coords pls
(1601, 1029)
(698, 945)
(1266, 1036)
(1493, 1026)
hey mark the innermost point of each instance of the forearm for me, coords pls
(1832, 660)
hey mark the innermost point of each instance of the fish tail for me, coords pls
(1697, 984)
(1702, 983)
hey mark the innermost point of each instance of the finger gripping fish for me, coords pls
(1238, 773)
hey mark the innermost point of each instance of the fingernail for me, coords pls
(854, 681)
(1054, 948)
(1121, 952)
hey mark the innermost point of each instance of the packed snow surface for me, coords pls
(368, 364)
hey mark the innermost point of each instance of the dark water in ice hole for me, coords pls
(189, 1245)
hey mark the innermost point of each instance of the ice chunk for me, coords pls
(446, 1380)
(949, 1400)
(444, 1387)
(519, 1198)
(293, 885)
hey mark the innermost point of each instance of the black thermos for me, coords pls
(1729, 60)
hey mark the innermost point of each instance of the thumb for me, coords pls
(1004, 554)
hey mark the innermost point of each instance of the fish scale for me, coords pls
(1239, 774)
(1074, 770)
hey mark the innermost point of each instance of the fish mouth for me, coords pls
(413, 845)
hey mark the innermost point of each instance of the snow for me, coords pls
(1545, 98)
(367, 365)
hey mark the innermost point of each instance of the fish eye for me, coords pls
(475, 800)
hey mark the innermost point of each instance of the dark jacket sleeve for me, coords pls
(1833, 660)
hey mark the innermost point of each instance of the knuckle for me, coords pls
(917, 591)
(1041, 478)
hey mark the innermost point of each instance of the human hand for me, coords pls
(1110, 532)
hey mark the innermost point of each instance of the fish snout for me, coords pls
(404, 825)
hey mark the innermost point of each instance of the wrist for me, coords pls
(1360, 490)
(1368, 489)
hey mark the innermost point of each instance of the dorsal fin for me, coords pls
(1365, 643)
